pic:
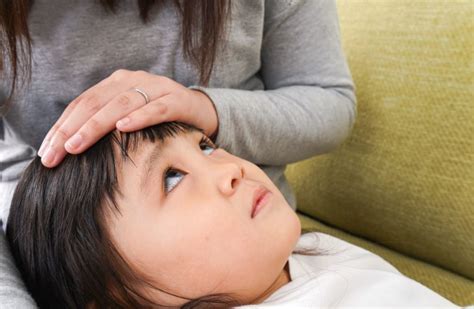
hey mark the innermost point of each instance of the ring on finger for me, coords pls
(143, 94)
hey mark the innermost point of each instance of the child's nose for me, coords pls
(228, 177)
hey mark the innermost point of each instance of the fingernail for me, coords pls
(74, 142)
(42, 148)
(49, 156)
(123, 122)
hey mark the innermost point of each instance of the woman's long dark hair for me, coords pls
(58, 235)
(203, 29)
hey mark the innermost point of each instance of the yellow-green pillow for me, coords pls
(405, 176)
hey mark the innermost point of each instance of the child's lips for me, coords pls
(260, 197)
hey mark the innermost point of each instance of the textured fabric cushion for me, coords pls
(13, 293)
(405, 176)
(452, 286)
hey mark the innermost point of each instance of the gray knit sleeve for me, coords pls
(308, 106)
(13, 293)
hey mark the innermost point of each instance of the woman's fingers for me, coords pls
(182, 105)
(157, 111)
(81, 111)
(67, 112)
(103, 121)
(79, 132)
(54, 150)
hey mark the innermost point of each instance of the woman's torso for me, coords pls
(77, 44)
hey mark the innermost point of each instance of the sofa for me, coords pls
(402, 184)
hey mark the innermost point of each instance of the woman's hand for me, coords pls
(113, 103)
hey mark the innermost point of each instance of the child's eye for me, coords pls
(207, 144)
(172, 176)
(207, 148)
(171, 179)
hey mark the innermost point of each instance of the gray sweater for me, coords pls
(282, 88)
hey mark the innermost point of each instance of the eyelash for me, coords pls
(204, 141)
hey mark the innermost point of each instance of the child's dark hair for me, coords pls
(57, 233)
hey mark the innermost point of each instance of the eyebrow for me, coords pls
(150, 164)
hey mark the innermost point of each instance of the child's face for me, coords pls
(200, 238)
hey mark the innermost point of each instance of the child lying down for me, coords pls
(162, 217)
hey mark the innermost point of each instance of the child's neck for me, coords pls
(283, 278)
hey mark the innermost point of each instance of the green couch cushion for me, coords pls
(456, 288)
(405, 176)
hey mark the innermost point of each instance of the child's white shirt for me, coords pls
(347, 276)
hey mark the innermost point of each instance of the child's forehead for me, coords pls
(164, 143)
(146, 147)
